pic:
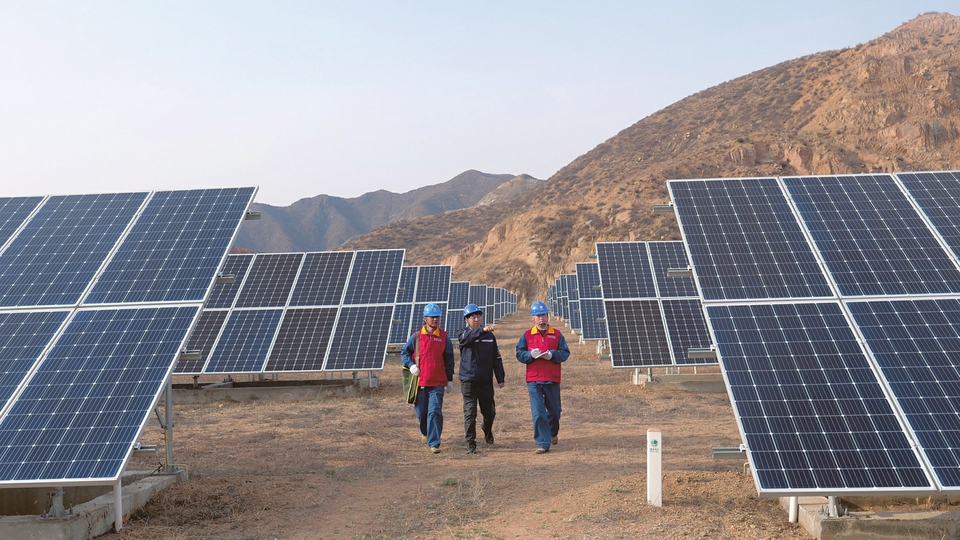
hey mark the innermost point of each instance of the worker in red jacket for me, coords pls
(543, 349)
(434, 365)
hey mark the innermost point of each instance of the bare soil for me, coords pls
(354, 467)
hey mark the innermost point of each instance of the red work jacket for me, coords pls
(433, 371)
(542, 369)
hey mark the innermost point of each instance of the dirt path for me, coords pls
(355, 467)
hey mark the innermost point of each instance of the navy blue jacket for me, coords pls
(479, 355)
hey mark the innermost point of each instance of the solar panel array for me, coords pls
(651, 319)
(298, 312)
(97, 296)
(593, 324)
(834, 302)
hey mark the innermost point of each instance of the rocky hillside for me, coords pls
(892, 104)
(324, 222)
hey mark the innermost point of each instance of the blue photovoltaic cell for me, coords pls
(687, 328)
(222, 295)
(744, 240)
(625, 270)
(82, 410)
(575, 323)
(245, 341)
(666, 255)
(459, 298)
(917, 346)
(591, 313)
(374, 277)
(322, 279)
(872, 239)
(23, 337)
(813, 414)
(360, 341)
(938, 195)
(13, 212)
(302, 341)
(202, 339)
(400, 328)
(408, 284)
(478, 296)
(433, 284)
(175, 247)
(637, 335)
(588, 280)
(269, 280)
(59, 251)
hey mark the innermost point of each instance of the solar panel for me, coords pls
(433, 284)
(174, 249)
(402, 321)
(593, 319)
(77, 417)
(361, 338)
(244, 342)
(222, 295)
(744, 241)
(573, 301)
(625, 270)
(23, 338)
(916, 344)
(459, 298)
(14, 211)
(407, 285)
(687, 329)
(302, 341)
(667, 255)
(322, 279)
(202, 339)
(37, 271)
(637, 333)
(478, 296)
(938, 195)
(270, 280)
(588, 280)
(870, 236)
(813, 414)
(374, 277)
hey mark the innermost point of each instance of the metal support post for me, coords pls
(168, 426)
(118, 506)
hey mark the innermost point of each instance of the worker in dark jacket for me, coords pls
(434, 366)
(480, 361)
(543, 350)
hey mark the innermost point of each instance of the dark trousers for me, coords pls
(475, 392)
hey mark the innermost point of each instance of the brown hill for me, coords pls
(325, 222)
(888, 105)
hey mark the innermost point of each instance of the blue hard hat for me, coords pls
(538, 308)
(470, 309)
(431, 310)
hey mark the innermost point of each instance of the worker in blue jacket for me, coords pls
(480, 362)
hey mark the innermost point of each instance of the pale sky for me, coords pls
(347, 97)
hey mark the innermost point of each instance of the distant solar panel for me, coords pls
(202, 339)
(744, 241)
(459, 298)
(222, 295)
(270, 280)
(303, 339)
(433, 284)
(813, 414)
(36, 272)
(360, 341)
(637, 333)
(407, 285)
(176, 245)
(593, 319)
(78, 416)
(872, 239)
(478, 296)
(667, 255)
(402, 321)
(588, 280)
(322, 279)
(374, 277)
(14, 211)
(687, 328)
(245, 341)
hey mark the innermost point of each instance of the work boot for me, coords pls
(435, 449)
(554, 440)
(542, 450)
(488, 437)
(472, 449)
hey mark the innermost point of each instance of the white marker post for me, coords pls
(654, 468)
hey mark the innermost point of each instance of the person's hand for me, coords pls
(449, 386)
(414, 370)
(489, 328)
(547, 354)
(535, 353)
(501, 385)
